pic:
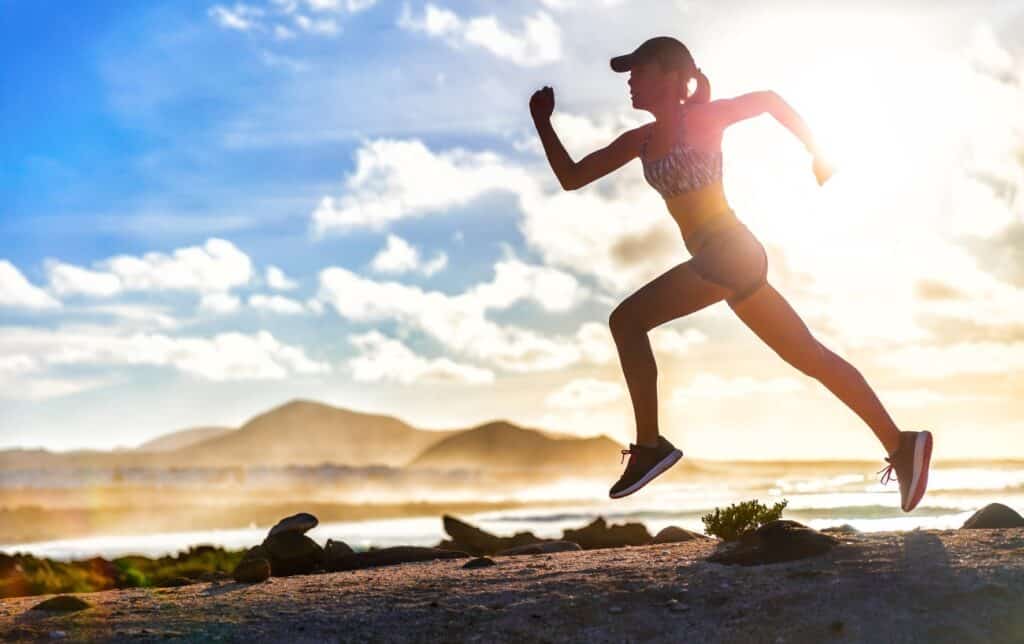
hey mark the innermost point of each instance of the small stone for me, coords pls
(300, 523)
(250, 571)
(63, 604)
(479, 562)
(615, 610)
(58, 635)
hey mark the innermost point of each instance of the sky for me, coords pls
(208, 209)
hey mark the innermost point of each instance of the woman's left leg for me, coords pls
(772, 319)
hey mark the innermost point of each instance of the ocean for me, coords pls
(819, 494)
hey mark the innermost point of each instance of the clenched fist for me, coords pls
(542, 103)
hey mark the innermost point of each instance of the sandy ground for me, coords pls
(920, 586)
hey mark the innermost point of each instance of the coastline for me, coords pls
(916, 586)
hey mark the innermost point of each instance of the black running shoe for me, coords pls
(644, 464)
(910, 463)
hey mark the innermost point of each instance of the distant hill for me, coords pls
(303, 432)
(502, 445)
(182, 438)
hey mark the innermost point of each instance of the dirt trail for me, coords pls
(920, 586)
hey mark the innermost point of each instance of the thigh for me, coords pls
(677, 292)
(772, 319)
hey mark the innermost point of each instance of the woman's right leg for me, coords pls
(673, 294)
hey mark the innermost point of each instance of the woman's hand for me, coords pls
(823, 169)
(542, 103)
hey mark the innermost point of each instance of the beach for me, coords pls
(913, 586)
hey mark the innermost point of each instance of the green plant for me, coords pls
(739, 518)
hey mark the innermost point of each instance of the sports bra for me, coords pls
(683, 169)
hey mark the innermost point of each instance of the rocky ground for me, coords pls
(920, 586)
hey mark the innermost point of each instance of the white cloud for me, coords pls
(713, 386)
(219, 303)
(459, 321)
(225, 356)
(397, 179)
(322, 27)
(669, 341)
(241, 17)
(215, 267)
(276, 304)
(18, 292)
(539, 43)
(940, 361)
(386, 359)
(398, 256)
(66, 279)
(584, 393)
(277, 280)
(137, 317)
(38, 389)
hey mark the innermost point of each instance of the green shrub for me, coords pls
(740, 518)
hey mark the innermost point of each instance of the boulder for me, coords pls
(673, 534)
(292, 553)
(598, 534)
(299, 523)
(543, 547)
(994, 515)
(468, 538)
(252, 570)
(391, 556)
(846, 528)
(775, 541)
(335, 550)
(63, 604)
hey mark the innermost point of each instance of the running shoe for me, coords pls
(910, 464)
(644, 464)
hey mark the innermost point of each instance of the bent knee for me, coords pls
(624, 320)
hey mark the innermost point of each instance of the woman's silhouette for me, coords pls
(682, 159)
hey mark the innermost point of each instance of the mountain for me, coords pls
(182, 438)
(304, 432)
(502, 445)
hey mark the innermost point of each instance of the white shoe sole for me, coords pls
(662, 465)
(922, 458)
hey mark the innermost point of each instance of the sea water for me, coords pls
(818, 494)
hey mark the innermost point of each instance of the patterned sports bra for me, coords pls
(683, 169)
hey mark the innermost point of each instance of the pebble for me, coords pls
(615, 610)
(57, 635)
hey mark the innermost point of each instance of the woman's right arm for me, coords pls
(595, 165)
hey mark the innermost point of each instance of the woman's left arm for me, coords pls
(753, 104)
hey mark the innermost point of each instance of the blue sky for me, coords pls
(160, 158)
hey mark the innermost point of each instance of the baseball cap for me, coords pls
(669, 52)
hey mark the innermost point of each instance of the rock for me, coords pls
(251, 571)
(775, 541)
(479, 562)
(63, 604)
(391, 556)
(598, 534)
(846, 528)
(543, 547)
(300, 523)
(673, 534)
(335, 550)
(292, 553)
(467, 538)
(994, 515)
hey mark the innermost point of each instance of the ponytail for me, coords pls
(703, 92)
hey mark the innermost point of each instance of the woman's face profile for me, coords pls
(649, 85)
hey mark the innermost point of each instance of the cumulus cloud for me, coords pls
(277, 280)
(539, 43)
(224, 357)
(941, 361)
(219, 303)
(217, 266)
(17, 292)
(399, 256)
(459, 322)
(584, 393)
(276, 304)
(397, 179)
(386, 359)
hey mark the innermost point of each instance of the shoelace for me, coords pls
(631, 456)
(887, 472)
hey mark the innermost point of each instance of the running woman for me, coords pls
(682, 159)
